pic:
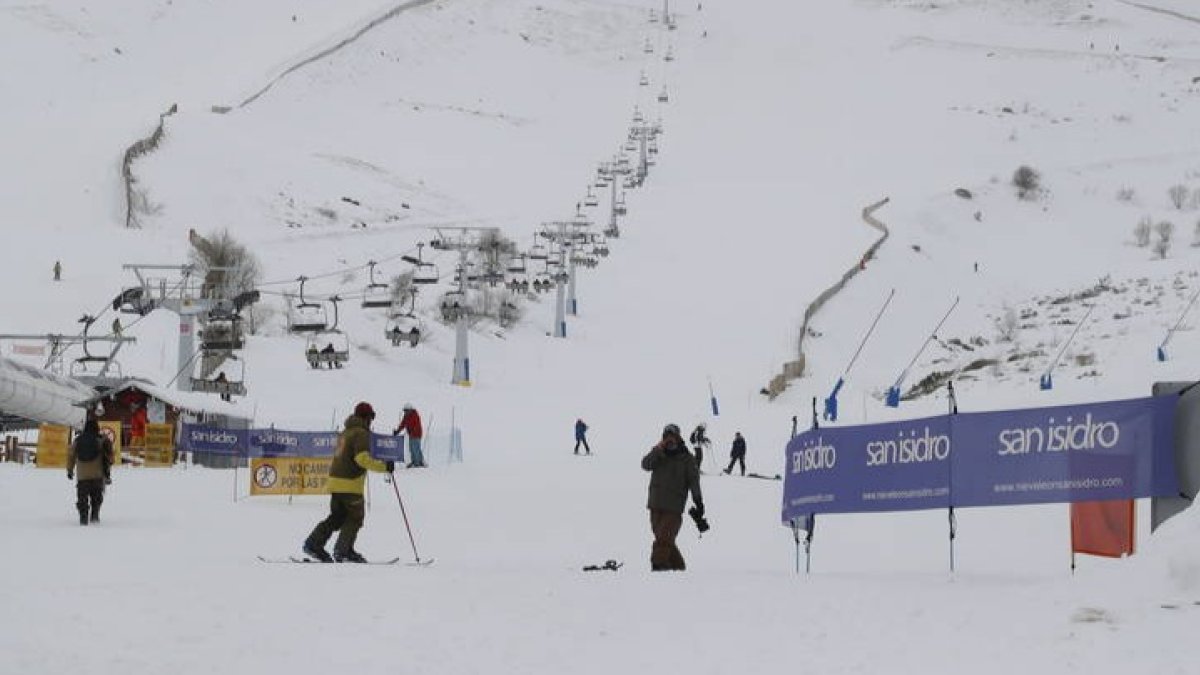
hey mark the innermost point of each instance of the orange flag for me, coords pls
(1103, 528)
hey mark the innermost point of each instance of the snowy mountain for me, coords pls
(327, 135)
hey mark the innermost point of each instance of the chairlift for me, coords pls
(222, 385)
(653, 16)
(590, 199)
(662, 95)
(133, 301)
(648, 48)
(669, 56)
(424, 273)
(516, 265)
(82, 367)
(331, 350)
(538, 252)
(222, 334)
(454, 306)
(509, 313)
(619, 207)
(643, 80)
(376, 295)
(612, 231)
(405, 329)
(305, 316)
(517, 283)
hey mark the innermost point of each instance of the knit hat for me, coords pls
(671, 430)
(364, 410)
(408, 406)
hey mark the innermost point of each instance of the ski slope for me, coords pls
(784, 121)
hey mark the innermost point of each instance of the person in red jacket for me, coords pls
(410, 423)
(137, 426)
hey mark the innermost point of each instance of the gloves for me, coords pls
(70, 475)
(391, 466)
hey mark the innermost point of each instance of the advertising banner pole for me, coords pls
(953, 403)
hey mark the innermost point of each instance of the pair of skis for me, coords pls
(304, 560)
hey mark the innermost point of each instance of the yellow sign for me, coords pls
(52, 446)
(160, 445)
(289, 475)
(112, 431)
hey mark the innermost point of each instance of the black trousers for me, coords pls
(585, 445)
(737, 459)
(346, 515)
(89, 495)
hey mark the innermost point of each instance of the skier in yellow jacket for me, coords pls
(347, 474)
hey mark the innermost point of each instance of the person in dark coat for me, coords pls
(737, 453)
(673, 474)
(699, 441)
(581, 428)
(347, 476)
(88, 460)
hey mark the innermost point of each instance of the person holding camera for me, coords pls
(673, 474)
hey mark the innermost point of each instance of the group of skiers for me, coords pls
(674, 474)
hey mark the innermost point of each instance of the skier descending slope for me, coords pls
(347, 474)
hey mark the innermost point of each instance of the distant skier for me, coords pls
(116, 327)
(673, 475)
(57, 270)
(89, 458)
(410, 423)
(581, 428)
(347, 474)
(737, 453)
(699, 440)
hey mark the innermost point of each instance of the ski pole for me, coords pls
(404, 513)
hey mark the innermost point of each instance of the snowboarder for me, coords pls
(347, 474)
(410, 423)
(699, 440)
(57, 270)
(581, 428)
(89, 458)
(673, 475)
(737, 453)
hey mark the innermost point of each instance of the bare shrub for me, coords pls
(1178, 194)
(1027, 181)
(229, 268)
(1007, 325)
(1165, 229)
(1126, 194)
(1141, 232)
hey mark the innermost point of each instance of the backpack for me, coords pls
(87, 447)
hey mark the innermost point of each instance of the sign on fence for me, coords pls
(289, 475)
(1092, 452)
(53, 440)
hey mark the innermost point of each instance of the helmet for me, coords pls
(671, 430)
(408, 406)
(364, 410)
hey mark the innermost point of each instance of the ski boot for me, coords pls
(350, 556)
(316, 552)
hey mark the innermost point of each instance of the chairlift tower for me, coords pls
(185, 298)
(467, 241)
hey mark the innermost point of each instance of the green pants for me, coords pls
(346, 515)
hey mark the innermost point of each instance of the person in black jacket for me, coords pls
(89, 457)
(699, 441)
(737, 453)
(673, 474)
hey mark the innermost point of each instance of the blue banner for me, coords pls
(278, 443)
(1092, 452)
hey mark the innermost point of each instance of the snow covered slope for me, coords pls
(784, 121)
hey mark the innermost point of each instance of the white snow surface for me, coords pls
(785, 120)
